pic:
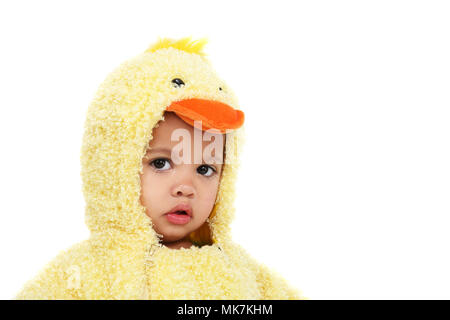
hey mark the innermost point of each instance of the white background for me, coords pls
(345, 181)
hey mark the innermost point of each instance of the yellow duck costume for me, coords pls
(123, 257)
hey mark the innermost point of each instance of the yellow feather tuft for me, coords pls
(184, 44)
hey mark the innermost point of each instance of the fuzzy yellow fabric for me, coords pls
(123, 257)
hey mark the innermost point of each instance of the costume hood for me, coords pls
(123, 258)
(118, 130)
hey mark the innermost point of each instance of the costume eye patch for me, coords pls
(178, 82)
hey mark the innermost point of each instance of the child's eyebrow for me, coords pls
(162, 150)
(216, 160)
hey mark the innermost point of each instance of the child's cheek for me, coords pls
(152, 193)
(209, 193)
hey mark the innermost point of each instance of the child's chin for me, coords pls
(175, 233)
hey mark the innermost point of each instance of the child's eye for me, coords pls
(178, 82)
(205, 170)
(161, 164)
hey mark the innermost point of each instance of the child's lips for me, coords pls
(175, 217)
(182, 207)
(178, 218)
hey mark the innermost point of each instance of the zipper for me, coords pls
(149, 263)
(149, 256)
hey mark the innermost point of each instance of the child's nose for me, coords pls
(183, 190)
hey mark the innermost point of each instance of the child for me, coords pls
(159, 164)
(192, 186)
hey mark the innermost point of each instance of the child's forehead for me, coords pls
(170, 122)
(171, 129)
(173, 137)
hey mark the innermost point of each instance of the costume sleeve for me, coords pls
(50, 284)
(273, 286)
(59, 279)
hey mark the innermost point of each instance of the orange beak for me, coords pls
(212, 114)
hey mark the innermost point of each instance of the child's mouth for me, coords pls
(180, 214)
(178, 217)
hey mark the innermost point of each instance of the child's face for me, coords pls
(167, 183)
